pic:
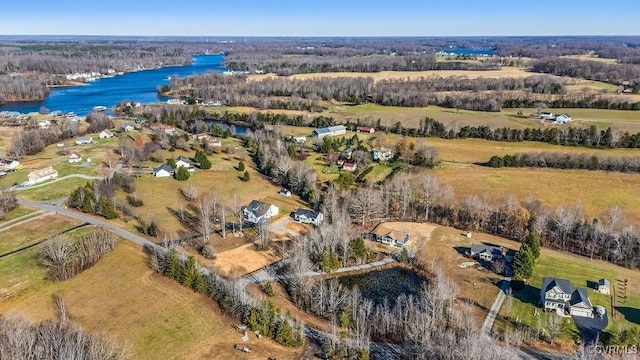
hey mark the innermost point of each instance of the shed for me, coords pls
(604, 286)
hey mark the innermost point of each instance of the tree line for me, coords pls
(555, 160)
(591, 70)
(480, 94)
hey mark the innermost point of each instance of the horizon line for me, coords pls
(318, 36)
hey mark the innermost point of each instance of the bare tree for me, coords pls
(554, 325)
(366, 203)
(62, 312)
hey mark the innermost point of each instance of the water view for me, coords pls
(135, 86)
(388, 283)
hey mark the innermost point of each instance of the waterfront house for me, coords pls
(329, 131)
(162, 171)
(84, 140)
(41, 175)
(105, 134)
(199, 136)
(306, 216)
(259, 212)
(176, 102)
(74, 158)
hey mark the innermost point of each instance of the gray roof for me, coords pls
(163, 167)
(549, 283)
(311, 214)
(604, 282)
(183, 158)
(579, 295)
(480, 248)
(258, 208)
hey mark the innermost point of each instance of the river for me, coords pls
(137, 86)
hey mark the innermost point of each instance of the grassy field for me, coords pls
(52, 191)
(585, 273)
(552, 187)
(122, 299)
(16, 213)
(33, 230)
(222, 179)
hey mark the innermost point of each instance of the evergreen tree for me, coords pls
(200, 285)
(171, 162)
(241, 166)
(523, 263)
(182, 174)
(246, 177)
(284, 334)
(172, 268)
(534, 245)
(358, 248)
(190, 272)
(202, 159)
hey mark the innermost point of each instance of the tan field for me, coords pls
(122, 299)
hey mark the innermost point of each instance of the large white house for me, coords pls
(41, 175)
(185, 162)
(562, 119)
(382, 154)
(559, 295)
(308, 216)
(259, 212)
(84, 140)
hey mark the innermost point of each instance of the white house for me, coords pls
(105, 134)
(214, 143)
(162, 171)
(129, 127)
(185, 162)
(545, 115)
(329, 131)
(44, 124)
(74, 158)
(41, 175)
(562, 119)
(388, 236)
(259, 212)
(349, 166)
(580, 303)
(176, 102)
(199, 136)
(300, 139)
(382, 154)
(558, 294)
(308, 216)
(9, 164)
(84, 140)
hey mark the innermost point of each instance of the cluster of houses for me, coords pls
(558, 295)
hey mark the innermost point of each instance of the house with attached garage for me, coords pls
(258, 212)
(308, 216)
(486, 252)
(559, 295)
(389, 236)
(162, 171)
(40, 175)
(74, 158)
(562, 119)
(185, 162)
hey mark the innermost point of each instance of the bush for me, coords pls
(208, 252)
(246, 176)
(134, 201)
(241, 166)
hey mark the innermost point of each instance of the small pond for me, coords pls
(389, 283)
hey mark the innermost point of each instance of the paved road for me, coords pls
(495, 308)
(81, 176)
(55, 207)
(281, 225)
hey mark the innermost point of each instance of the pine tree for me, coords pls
(200, 285)
(182, 174)
(534, 245)
(246, 176)
(241, 166)
(190, 272)
(171, 163)
(284, 334)
(172, 270)
(523, 263)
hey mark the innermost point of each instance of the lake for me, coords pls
(137, 86)
(387, 283)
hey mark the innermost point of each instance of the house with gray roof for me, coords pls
(258, 212)
(308, 216)
(329, 131)
(559, 295)
(580, 305)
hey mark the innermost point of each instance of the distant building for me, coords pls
(308, 216)
(105, 134)
(84, 140)
(9, 164)
(176, 102)
(74, 158)
(162, 171)
(329, 131)
(185, 162)
(168, 129)
(562, 119)
(300, 139)
(366, 129)
(199, 136)
(41, 175)
(545, 115)
(128, 126)
(349, 166)
(214, 143)
(44, 124)
(382, 154)
(259, 212)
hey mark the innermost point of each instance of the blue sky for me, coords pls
(319, 17)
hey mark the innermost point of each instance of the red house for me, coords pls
(367, 129)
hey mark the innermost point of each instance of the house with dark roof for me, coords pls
(580, 305)
(559, 295)
(486, 252)
(185, 162)
(306, 216)
(259, 212)
(163, 170)
(604, 286)
(389, 236)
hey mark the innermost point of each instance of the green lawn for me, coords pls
(16, 213)
(53, 191)
(20, 272)
(582, 273)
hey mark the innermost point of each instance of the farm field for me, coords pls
(552, 187)
(33, 230)
(122, 299)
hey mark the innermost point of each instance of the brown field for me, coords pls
(15, 236)
(122, 299)
(241, 260)
(590, 58)
(506, 71)
(552, 187)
